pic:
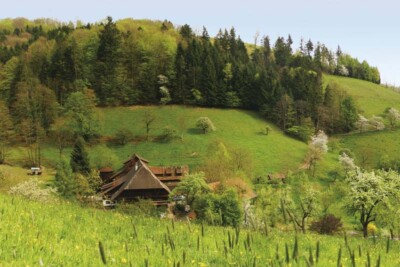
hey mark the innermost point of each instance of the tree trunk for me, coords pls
(365, 230)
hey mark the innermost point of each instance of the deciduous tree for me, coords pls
(369, 190)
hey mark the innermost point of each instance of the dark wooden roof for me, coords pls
(137, 177)
(106, 169)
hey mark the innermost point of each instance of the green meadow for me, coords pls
(236, 129)
(37, 234)
(372, 99)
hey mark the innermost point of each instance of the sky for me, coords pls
(366, 29)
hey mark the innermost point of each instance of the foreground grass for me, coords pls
(36, 234)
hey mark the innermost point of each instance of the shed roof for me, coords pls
(106, 169)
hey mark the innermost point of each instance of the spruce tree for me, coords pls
(79, 157)
(64, 179)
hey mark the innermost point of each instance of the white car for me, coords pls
(109, 204)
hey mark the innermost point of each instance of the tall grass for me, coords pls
(65, 234)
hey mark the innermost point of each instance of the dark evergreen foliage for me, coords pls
(79, 157)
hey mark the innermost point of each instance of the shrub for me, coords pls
(123, 136)
(348, 152)
(302, 133)
(168, 134)
(329, 224)
(224, 209)
(372, 229)
(31, 190)
(140, 207)
(205, 124)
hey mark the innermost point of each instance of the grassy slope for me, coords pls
(372, 99)
(36, 234)
(235, 128)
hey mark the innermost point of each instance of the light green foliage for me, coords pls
(79, 108)
(222, 208)
(224, 163)
(168, 134)
(369, 190)
(205, 124)
(64, 180)
(302, 133)
(301, 203)
(103, 156)
(192, 186)
(230, 207)
(87, 184)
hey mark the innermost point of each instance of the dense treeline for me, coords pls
(143, 62)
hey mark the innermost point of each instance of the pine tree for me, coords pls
(79, 157)
(108, 63)
(64, 179)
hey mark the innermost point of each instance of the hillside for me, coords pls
(50, 236)
(236, 129)
(372, 99)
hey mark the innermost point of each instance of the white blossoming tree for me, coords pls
(393, 116)
(376, 123)
(362, 124)
(369, 191)
(205, 124)
(347, 162)
(317, 147)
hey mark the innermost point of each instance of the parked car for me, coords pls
(109, 204)
(35, 171)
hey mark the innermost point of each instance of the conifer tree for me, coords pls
(64, 179)
(79, 157)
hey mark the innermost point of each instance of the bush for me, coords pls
(348, 152)
(143, 207)
(205, 124)
(329, 224)
(31, 190)
(123, 136)
(302, 133)
(224, 209)
(168, 134)
(372, 229)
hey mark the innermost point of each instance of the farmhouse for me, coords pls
(137, 180)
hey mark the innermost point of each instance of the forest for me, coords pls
(140, 62)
